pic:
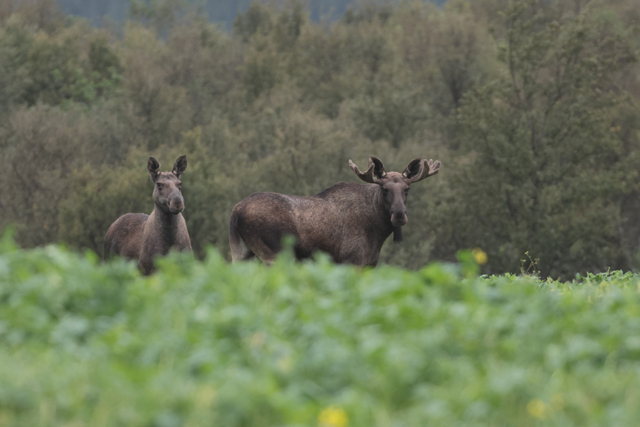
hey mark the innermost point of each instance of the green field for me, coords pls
(213, 344)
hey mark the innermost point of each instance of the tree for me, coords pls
(544, 164)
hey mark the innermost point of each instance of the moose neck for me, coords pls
(166, 225)
(382, 217)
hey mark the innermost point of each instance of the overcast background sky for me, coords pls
(220, 11)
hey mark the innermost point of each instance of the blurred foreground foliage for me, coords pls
(531, 105)
(205, 343)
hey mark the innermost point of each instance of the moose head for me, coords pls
(394, 186)
(167, 194)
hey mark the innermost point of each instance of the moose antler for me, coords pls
(374, 173)
(420, 169)
(434, 167)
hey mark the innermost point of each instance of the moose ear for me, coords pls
(378, 169)
(419, 169)
(374, 173)
(154, 168)
(180, 166)
(414, 169)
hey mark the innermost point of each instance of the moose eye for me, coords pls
(158, 185)
(385, 191)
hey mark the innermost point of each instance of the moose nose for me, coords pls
(399, 219)
(176, 205)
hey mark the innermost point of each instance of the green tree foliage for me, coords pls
(540, 175)
(530, 105)
(256, 18)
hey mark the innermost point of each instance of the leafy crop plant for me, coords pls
(204, 343)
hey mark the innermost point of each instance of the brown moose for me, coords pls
(142, 237)
(348, 221)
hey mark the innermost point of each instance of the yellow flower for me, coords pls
(333, 416)
(480, 256)
(537, 409)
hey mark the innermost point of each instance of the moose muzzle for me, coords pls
(398, 219)
(176, 204)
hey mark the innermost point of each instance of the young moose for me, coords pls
(141, 236)
(348, 221)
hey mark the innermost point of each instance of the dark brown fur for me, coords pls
(142, 237)
(348, 221)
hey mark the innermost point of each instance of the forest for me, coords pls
(532, 107)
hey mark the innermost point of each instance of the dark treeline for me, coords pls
(532, 106)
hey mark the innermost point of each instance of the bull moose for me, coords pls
(348, 221)
(142, 237)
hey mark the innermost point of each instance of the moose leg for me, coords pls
(146, 265)
(257, 226)
(239, 250)
(265, 245)
(263, 250)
